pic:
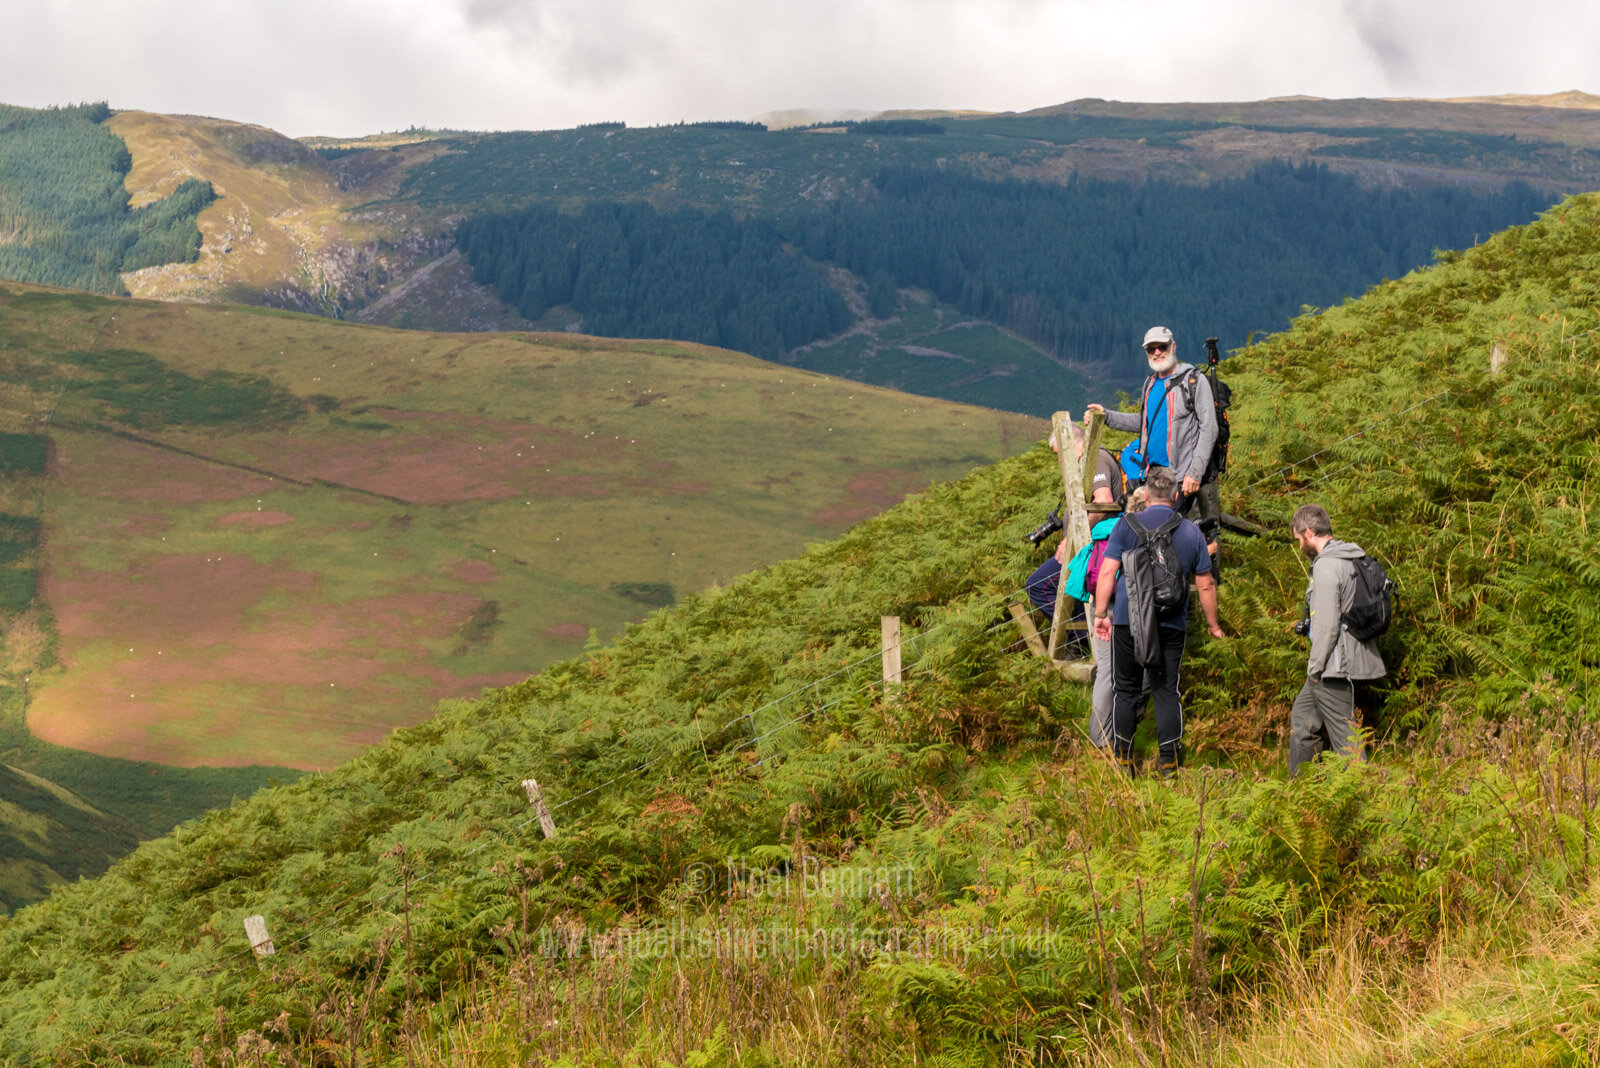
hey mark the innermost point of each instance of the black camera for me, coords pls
(1051, 524)
(1303, 628)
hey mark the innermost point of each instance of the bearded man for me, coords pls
(1176, 421)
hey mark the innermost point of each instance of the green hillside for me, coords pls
(1221, 219)
(49, 836)
(236, 542)
(64, 214)
(762, 857)
(1079, 270)
(772, 171)
(979, 212)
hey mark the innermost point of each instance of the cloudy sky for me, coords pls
(348, 67)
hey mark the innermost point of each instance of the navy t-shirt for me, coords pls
(1186, 539)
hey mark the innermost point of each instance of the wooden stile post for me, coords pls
(540, 809)
(1076, 519)
(1030, 633)
(255, 929)
(1076, 670)
(891, 649)
(1094, 428)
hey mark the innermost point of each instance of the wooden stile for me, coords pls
(1076, 517)
(1030, 633)
(1076, 670)
(1092, 432)
(540, 809)
(1077, 493)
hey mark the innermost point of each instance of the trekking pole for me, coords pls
(1211, 493)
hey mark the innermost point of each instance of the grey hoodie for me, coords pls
(1190, 434)
(1334, 652)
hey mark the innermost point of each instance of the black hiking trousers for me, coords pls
(1129, 681)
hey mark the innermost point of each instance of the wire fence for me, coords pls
(239, 964)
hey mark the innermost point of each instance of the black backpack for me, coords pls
(1373, 606)
(1168, 582)
(1155, 581)
(1221, 401)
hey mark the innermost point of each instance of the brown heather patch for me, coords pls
(143, 524)
(173, 659)
(567, 632)
(255, 520)
(474, 571)
(440, 458)
(127, 470)
(165, 600)
(867, 494)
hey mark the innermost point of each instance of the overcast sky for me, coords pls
(349, 67)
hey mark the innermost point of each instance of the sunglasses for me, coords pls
(1158, 346)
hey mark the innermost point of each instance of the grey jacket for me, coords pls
(1190, 434)
(1334, 652)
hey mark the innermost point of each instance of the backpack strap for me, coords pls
(1144, 533)
(1144, 401)
(1190, 387)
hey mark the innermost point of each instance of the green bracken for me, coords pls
(1023, 902)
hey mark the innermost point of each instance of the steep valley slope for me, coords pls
(763, 853)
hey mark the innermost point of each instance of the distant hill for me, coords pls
(260, 538)
(763, 853)
(65, 215)
(380, 247)
(1216, 219)
(1572, 98)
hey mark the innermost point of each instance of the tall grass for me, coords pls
(1340, 972)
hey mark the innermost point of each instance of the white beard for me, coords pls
(1163, 365)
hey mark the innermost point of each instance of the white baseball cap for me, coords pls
(1157, 333)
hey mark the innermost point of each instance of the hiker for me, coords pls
(1176, 422)
(1108, 489)
(1082, 577)
(1163, 632)
(1323, 716)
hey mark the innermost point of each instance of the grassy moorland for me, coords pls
(922, 345)
(763, 858)
(252, 519)
(240, 541)
(49, 835)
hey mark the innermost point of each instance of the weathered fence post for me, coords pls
(540, 809)
(255, 929)
(891, 649)
(1076, 519)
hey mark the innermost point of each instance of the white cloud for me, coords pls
(358, 66)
